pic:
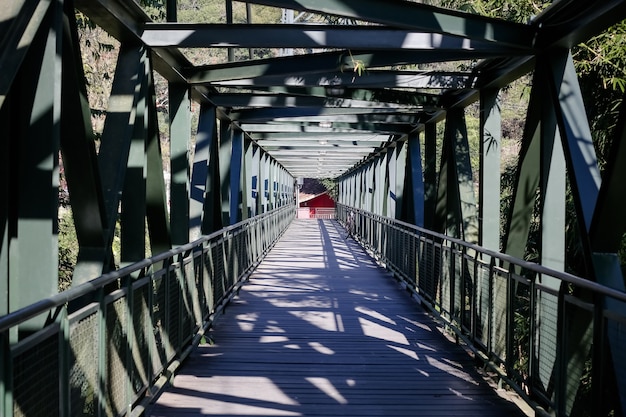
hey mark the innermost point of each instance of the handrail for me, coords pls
(530, 266)
(37, 308)
(130, 332)
(536, 334)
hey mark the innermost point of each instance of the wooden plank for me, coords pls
(321, 330)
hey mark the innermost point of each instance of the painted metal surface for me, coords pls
(310, 115)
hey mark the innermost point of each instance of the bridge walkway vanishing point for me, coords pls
(321, 330)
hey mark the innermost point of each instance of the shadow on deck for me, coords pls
(321, 330)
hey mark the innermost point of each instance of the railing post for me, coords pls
(598, 358)
(6, 373)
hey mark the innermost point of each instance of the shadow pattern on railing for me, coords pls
(112, 343)
(509, 312)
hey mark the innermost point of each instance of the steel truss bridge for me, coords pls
(344, 109)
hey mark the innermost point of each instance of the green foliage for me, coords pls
(600, 63)
(155, 9)
(68, 248)
(214, 11)
(331, 186)
(515, 11)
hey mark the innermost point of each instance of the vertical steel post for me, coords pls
(389, 196)
(35, 131)
(79, 156)
(225, 158)
(133, 201)
(401, 163)
(247, 201)
(199, 178)
(180, 139)
(456, 205)
(489, 184)
(157, 215)
(236, 168)
(118, 132)
(171, 10)
(430, 175)
(415, 182)
(255, 186)
(264, 191)
(205, 199)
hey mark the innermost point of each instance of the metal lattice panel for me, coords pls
(35, 382)
(84, 344)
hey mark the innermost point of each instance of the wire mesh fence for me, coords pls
(556, 338)
(109, 343)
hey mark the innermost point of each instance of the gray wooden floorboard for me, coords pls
(320, 330)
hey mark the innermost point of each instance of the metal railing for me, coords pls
(131, 329)
(531, 325)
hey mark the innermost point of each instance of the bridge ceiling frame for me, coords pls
(400, 33)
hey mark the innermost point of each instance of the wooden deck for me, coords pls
(320, 330)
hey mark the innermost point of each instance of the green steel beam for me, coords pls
(336, 118)
(382, 189)
(255, 181)
(335, 61)
(322, 114)
(261, 100)
(225, 157)
(430, 176)
(394, 166)
(577, 141)
(157, 215)
(235, 176)
(304, 149)
(247, 202)
(456, 204)
(333, 126)
(490, 152)
(497, 73)
(609, 224)
(540, 167)
(552, 183)
(418, 16)
(335, 139)
(79, 155)
(527, 177)
(199, 178)
(200, 35)
(171, 10)
(118, 132)
(567, 24)
(180, 138)
(19, 22)
(206, 205)
(335, 95)
(368, 79)
(264, 179)
(591, 199)
(414, 189)
(122, 20)
(133, 201)
(6, 220)
(34, 130)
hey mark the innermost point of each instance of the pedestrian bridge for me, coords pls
(321, 329)
(194, 290)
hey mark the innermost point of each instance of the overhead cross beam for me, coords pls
(367, 79)
(335, 61)
(418, 16)
(312, 36)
